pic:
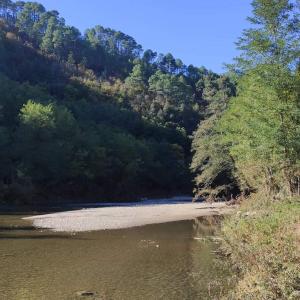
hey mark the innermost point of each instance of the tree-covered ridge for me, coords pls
(158, 86)
(93, 114)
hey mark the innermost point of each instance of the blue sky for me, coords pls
(200, 32)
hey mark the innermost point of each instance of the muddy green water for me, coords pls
(161, 261)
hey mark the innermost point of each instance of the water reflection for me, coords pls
(161, 261)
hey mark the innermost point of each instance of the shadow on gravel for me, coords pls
(16, 228)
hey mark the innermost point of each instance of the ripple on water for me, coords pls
(161, 261)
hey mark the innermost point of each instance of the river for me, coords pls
(160, 261)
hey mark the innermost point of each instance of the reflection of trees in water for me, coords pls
(207, 225)
(210, 274)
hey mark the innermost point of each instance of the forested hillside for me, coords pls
(93, 114)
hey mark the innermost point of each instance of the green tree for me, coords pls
(28, 20)
(136, 82)
(173, 100)
(6, 157)
(256, 140)
(263, 130)
(45, 142)
(212, 163)
(262, 123)
(47, 40)
(274, 35)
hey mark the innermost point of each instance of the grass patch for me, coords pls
(261, 242)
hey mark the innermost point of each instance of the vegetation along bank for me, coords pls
(255, 142)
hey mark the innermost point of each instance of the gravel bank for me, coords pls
(125, 217)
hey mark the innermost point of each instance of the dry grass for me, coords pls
(263, 245)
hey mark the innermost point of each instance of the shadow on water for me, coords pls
(17, 228)
(39, 237)
(32, 233)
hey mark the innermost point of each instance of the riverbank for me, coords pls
(117, 217)
(262, 241)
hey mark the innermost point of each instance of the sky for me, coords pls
(199, 32)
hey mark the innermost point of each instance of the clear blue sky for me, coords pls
(200, 32)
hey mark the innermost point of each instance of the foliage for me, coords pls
(273, 37)
(81, 148)
(263, 129)
(257, 138)
(212, 164)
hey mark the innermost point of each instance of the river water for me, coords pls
(162, 261)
